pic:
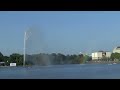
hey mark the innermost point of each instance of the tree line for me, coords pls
(53, 59)
(44, 59)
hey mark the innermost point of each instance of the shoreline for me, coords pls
(89, 62)
(103, 62)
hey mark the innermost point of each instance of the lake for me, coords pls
(75, 71)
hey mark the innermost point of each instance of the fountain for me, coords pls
(26, 36)
(34, 48)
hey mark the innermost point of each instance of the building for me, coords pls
(100, 54)
(12, 64)
(2, 63)
(116, 49)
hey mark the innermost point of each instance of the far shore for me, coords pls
(103, 62)
(88, 62)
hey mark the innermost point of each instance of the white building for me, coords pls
(116, 50)
(100, 54)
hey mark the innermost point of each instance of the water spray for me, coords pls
(26, 36)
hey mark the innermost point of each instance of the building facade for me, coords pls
(100, 55)
(116, 50)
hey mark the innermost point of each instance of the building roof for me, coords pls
(2, 62)
(118, 47)
(101, 51)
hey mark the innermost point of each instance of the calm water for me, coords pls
(85, 71)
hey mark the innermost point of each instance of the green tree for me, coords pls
(7, 60)
(16, 58)
(81, 56)
(1, 57)
(68, 60)
(60, 58)
(86, 58)
(115, 56)
(53, 57)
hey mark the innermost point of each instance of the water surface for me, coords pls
(76, 71)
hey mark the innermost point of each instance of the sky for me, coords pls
(67, 32)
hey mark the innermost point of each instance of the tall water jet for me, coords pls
(35, 48)
(24, 49)
(26, 36)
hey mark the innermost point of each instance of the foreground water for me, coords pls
(84, 71)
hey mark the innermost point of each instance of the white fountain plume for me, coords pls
(26, 37)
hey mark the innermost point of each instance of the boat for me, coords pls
(109, 64)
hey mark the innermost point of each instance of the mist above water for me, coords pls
(35, 45)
